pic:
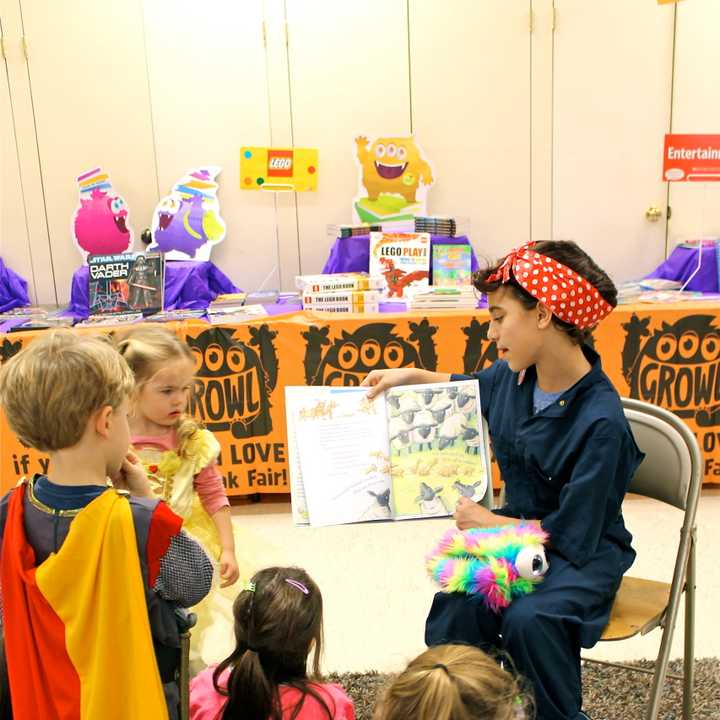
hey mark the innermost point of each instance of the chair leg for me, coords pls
(661, 666)
(184, 676)
(689, 654)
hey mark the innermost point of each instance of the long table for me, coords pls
(667, 354)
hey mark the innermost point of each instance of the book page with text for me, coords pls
(341, 440)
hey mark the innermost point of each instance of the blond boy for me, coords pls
(90, 575)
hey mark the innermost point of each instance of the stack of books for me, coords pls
(346, 231)
(330, 282)
(34, 317)
(354, 301)
(176, 315)
(340, 292)
(654, 290)
(444, 298)
(236, 313)
(100, 319)
(436, 225)
(628, 292)
(232, 307)
(26, 312)
(288, 297)
(262, 297)
(53, 320)
(227, 300)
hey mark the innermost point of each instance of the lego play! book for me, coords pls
(402, 259)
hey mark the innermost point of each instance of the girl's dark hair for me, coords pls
(276, 626)
(570, 254)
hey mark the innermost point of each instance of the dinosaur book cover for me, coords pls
(402, 259)
(126, 282)
(409, 453)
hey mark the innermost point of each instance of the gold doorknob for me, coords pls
(653, 214)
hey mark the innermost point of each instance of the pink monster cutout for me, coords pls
(100, 222)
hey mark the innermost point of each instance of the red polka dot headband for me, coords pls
(569, 295)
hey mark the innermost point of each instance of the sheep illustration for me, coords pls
(408, 407)
(467, 491)
(423, 429)
(451, 429)
(466, 403)
(427, 397)
(473, 440)
(400, 435)
(430, 501)
(379, 508)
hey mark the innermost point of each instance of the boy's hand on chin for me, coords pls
(131, 477)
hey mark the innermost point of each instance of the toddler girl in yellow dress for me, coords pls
(180, 456)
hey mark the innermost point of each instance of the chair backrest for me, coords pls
(672, 469)
(672, 472)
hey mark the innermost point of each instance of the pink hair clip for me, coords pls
(297, 585)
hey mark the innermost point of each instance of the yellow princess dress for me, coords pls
(172, 478)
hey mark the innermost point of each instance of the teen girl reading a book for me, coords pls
(566, 455)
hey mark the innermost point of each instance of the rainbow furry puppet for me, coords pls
(500, 563)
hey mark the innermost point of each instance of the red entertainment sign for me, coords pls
(692, 158)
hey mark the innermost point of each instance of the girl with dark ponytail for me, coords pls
(278, 623)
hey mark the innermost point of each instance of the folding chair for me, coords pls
(670, 473)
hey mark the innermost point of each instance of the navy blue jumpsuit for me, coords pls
(569, 466)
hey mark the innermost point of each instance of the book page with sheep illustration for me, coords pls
(437, 453)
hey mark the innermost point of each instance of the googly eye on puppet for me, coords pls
(500, 563)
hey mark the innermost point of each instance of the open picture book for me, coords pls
(409, 453)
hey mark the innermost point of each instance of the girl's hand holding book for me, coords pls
(380, 380)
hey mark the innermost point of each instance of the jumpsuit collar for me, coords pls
(527, 379)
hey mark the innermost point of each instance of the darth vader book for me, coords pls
(126, 283)
(408, 453)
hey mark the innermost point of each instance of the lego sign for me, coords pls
(689, 158)
(280, 163)
(264, 168)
